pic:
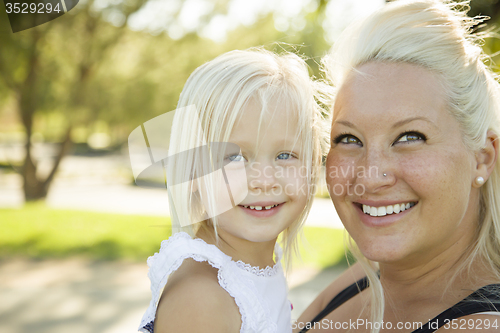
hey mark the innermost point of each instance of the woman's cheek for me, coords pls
(417, 170)
(340, 174)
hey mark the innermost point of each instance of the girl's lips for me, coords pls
(380, 221)
(264, 213)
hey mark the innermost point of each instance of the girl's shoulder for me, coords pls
(194, 301)
(198, 276)
(181, 246)
(188, 265)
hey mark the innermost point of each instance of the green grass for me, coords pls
(322, 247)
(38, 232)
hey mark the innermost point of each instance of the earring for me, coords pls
(479, 181)
(384, 174)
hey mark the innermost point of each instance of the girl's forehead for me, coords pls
(266, 126)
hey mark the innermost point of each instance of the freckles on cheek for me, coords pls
(429, 173)
(340, 175)
(416, 171)
(339, 170)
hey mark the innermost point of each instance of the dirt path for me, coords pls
(79, 296)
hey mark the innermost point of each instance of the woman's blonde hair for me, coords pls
(216, 93)
(438, 36)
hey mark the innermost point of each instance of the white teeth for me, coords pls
(260, 207)
(386, 210)
(381, 211)
(396, 208)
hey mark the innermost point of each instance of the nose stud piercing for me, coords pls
(385, 175)
(479, 181)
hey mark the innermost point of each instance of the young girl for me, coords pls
(245, 148)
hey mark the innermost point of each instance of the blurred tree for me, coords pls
(48, 68)
(88, 65)
(490, 8)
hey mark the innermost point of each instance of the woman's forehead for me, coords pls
(390, 90)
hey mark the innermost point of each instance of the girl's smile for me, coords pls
(277, 184)
(262, 209)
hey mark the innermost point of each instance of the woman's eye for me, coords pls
(236, 158)
(411, 137)
(285, 156)
(347, 139)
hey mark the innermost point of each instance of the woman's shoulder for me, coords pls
(194, 301)
(347, 278)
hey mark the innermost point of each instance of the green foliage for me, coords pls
(38, 232)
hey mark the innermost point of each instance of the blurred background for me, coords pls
(75, 231)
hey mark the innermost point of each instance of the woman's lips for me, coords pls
(378, 215)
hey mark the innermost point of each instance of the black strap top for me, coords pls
(485, 299)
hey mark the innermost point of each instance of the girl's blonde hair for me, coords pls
(436, 35)
(217, 92)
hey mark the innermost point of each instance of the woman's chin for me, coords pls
(386, 253)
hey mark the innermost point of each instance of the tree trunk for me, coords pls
(35, 188)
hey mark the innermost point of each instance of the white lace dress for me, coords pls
(260, 294)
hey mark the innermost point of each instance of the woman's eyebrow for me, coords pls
(345, 123)
(395, 125)
(409, 120)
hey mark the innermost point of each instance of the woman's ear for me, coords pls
(487, 157)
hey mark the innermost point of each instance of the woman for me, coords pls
(413, 175)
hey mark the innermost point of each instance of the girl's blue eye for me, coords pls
(285, 156)
(236, 158)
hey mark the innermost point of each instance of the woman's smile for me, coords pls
(392, 120)
(382, 214)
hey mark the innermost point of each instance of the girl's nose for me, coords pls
(262, 176)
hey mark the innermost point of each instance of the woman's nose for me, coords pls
(378, 171)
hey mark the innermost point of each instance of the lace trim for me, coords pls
(254, 318)
(255, 270)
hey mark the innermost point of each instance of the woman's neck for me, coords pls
(444, 280)
(259, 254)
